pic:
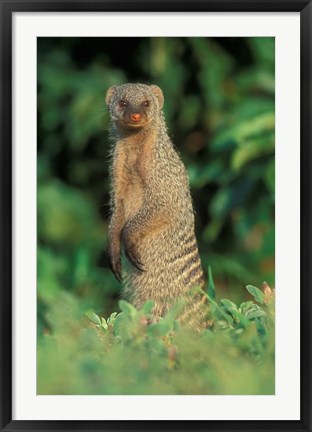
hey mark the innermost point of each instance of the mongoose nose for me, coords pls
(136, 117)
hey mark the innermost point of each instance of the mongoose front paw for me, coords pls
(134, 258)
(132, 253)
(115, 265)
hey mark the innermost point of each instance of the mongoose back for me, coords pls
(152, 217)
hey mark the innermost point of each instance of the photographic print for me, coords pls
(155, 215)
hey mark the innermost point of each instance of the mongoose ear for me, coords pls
(159, 94)
(109, 94)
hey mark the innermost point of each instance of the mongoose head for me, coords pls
(134, 105)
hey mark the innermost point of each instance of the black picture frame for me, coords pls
(8, 7)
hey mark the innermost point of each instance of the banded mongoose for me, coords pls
(152, 217)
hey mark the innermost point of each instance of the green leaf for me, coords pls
(127, 308)
(221, 325)
(158, 346)
(232, 309)
(147, 307)
(229, 306)
(104, 324)
(93, 317)
(269, 176)
(174, 311)
(255, 312)
(256, 293)
(111, 317)
(176, 326)
(251, 150)
(217, 309)
(122, 328)
(259, 125)
(161, 328)
(245, 306)
(211, 285)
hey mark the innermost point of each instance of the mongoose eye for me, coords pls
(122, 103)
(146, 103)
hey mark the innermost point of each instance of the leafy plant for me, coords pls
(126, 354)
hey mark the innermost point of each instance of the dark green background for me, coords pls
(219, 107)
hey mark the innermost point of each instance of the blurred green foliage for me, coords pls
(124, 355)
(219, 107)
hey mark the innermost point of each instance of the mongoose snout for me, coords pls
(151, 239)
(136, 117)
